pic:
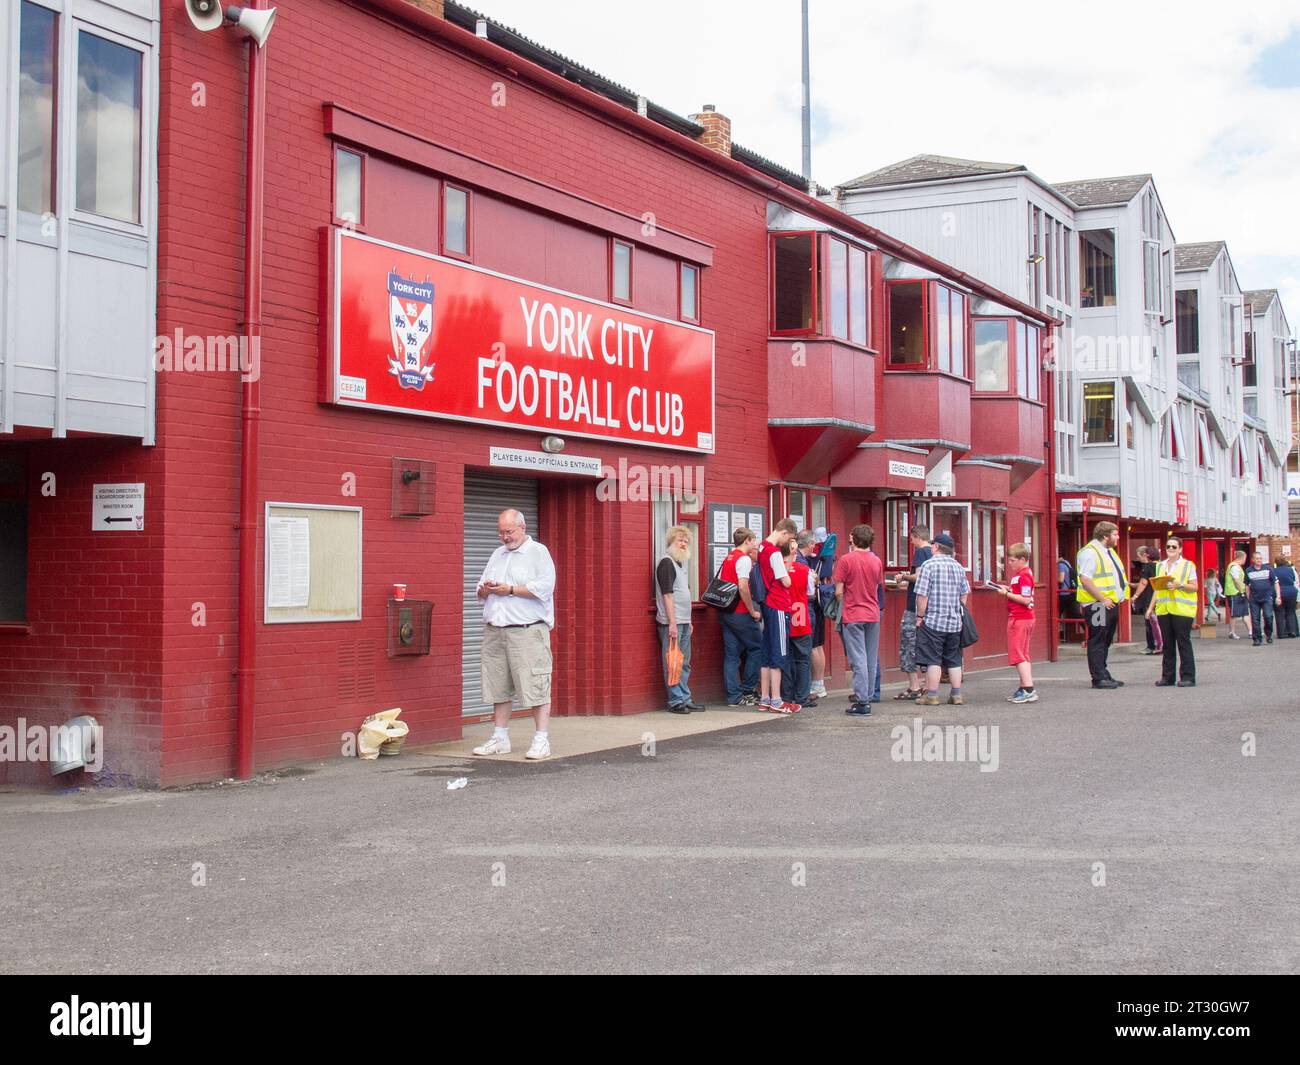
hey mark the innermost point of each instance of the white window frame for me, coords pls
(1115, 416)
(970, 526)
(67, 123)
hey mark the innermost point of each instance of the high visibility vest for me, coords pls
(1181, 602)
(1104, 580)
(1232, 580)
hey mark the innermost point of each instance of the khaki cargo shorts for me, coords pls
(516, 664)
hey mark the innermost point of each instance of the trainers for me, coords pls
(748, 699)
(956, 700)
(494, 746)
(771, 706)
(791, 708)
(927, 700)
(1023, 696)
(540, 749)
(1015, 695)
(818, 691)
(859, 710)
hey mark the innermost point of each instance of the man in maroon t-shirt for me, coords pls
(858, 576)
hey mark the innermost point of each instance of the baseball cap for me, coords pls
(945, 540)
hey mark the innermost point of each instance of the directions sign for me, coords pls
(117, 508)
(419, 334)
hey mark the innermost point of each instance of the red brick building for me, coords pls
(395, 126)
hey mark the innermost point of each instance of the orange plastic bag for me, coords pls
(673, 659)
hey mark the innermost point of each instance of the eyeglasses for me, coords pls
(1171, 547)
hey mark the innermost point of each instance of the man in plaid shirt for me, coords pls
(941, 591)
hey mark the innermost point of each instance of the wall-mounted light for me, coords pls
(1034, 260)
(552, 445)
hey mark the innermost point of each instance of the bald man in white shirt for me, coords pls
(517, 588)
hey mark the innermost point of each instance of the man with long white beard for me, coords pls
(673, 612)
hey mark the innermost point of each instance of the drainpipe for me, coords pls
(1050, 563)
(250, 409)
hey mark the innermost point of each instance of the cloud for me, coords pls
(1201, 94)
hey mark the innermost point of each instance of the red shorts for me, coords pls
(1018, 633)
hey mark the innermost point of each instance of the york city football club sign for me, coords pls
(419, 334)
(411, 308)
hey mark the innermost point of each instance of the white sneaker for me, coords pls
(540, 749)
(494, 746)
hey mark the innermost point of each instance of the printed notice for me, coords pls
(721, 527)
(737, 520)
(719, 557)
(288, 577)
(756, 524)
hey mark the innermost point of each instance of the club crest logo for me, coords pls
(411, 313)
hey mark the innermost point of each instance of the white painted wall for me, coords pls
(78, 292)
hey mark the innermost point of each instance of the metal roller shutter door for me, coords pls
(486, 496)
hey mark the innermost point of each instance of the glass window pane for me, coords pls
(907, 324)
(690, 294)
(797, 502)
(942, 327)
(1022, 368)
(958, 311)
(1097, 268)
(818, 512)
(455, 220)
(1099, 412)
(109, 92)
(857, 296)
(954, 519)
(38, 49)
(1034, 358)
(347, 186)
(991, 351)
(838, 254)
(792, 280)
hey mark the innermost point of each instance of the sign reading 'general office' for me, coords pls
(420, 334)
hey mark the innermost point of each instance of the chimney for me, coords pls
(717, 130)
(433, 7)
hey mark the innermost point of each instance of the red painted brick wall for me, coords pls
(92, 609)
(316, 681)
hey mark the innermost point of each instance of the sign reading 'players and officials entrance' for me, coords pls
(420, 334)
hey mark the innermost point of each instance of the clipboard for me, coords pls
(1161, 582)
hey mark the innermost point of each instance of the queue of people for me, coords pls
(779, 597)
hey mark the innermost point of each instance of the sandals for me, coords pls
(907, 695)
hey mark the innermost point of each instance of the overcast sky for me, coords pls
(1204, 95)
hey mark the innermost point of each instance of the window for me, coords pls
(818, 511)
(13, 542)
(858, 296)
(907, 346)
(1034, 541)
(1230, 320)
(690, 301)
(620, 272)
(110, 84)
(1130, 426)
(990, 553)
(957, 319)
(37, 79)
(1188, 321)
(1263, 462)
(663, 516)
(1097, 268)
(348, 168)
(954, 519)
(992, 355)
(837, 255)
(1249, 372)
(1204, 453)
(1024, 370)
(900, 516)
(1151, 276)
(794, 283)
(1171, 432)
(1099, 412)
(942, 330)
(455, 221)
(796, 501)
